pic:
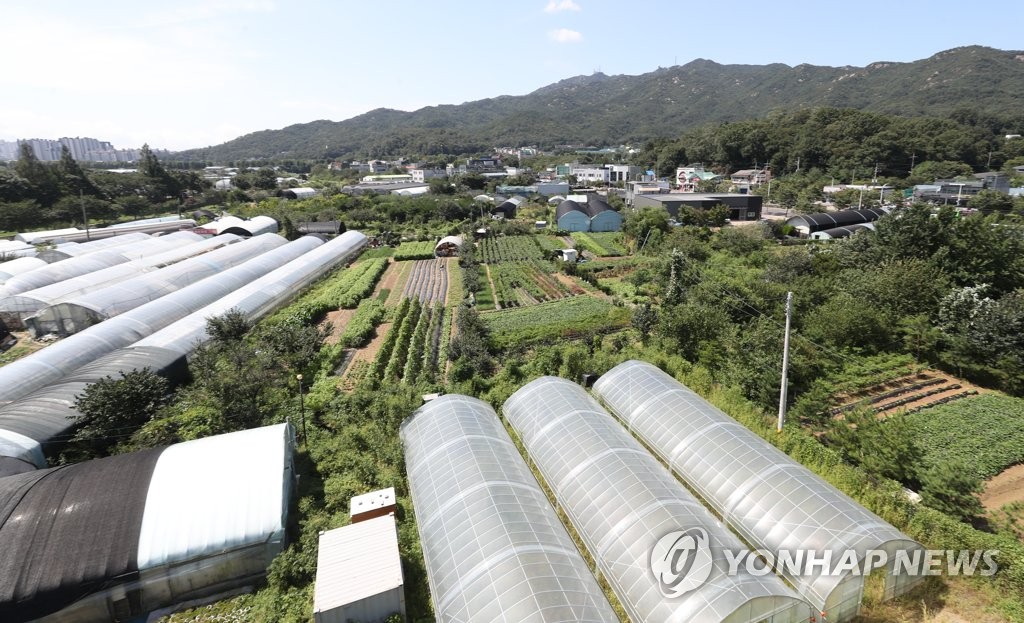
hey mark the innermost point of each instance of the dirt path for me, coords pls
(494, 292)
(369, 352)
(389, 279)
(568, 281)
(1004, 488)
(339, 319)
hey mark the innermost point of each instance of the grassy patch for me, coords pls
(569, 318)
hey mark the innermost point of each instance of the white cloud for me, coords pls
(554, 6)
(564, 35)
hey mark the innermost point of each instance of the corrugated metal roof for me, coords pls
(356, 562)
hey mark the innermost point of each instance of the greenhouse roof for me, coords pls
(623, 502)
(770, 499)
(493, 545)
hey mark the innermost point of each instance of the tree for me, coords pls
(884, 448)
(639, 223)
(951, 487)
(440, 186)
(265, 178)
(111, 407)
(228, 327)
(161, 183)
(645, 318)
(988, 201)
(39, 176)
(73, 179)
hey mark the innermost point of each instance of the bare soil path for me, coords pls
(1004, 488)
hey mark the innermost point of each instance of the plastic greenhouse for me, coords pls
(78, 313)
(75, 249)
(622, 502)
(16, 308)
(18, 266)
(493, 545)
(21, 377)
(253, 227)
(33, 424)
(116, 538)
(263, 295)
(36, 426)
(769, 499)
(104, 258)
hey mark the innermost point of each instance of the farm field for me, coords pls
(414, 251)
(601, 244)
(428, 281)
(517, 284)
(551, 243)
(573, 317)
(907, 391)
(984, 432)
(509, 249)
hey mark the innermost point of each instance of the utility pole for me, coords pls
(988, 165)
(913, 159)
(85, 218)
(874, 177)
(785, 364)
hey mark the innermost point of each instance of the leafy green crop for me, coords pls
(574, 317)
(985, 432)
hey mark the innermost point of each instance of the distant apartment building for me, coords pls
(84, 149)
(591, 175)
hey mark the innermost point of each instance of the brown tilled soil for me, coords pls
(911, 380)
(369, 352)
(1004, 488)
(568, 281)
(339, 319)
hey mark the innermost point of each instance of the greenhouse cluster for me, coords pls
(622, 501)
(769, 499)
(118, 537)
(494, 548)
(39, 413)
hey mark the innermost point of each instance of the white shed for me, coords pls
(359, 573)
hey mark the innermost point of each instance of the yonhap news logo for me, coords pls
(681, 561)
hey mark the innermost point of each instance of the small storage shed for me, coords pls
(359, 573)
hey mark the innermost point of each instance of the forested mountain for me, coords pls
(603, 110)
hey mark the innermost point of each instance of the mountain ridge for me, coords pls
(600, 109)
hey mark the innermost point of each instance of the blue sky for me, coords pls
(192, 73)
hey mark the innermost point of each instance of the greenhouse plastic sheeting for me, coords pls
(75, 249)
(83, 311)
(263, 295)
(159, 526)
(37, 425)
(67, 531)
(18, 266)
(223, 223)
(16, 307)
(493, 545)
(253, 227)
(24, 376)
(77, 266)
(622, 502)
(769, 499)
(107, 232)
(217, 493)
(31, 237)
(14, 246)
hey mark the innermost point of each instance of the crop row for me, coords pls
(342, 290)
(428, 281)
(360, 328)
(509, 249)
(414, 251)
(564, 319)
(513, 279)
(602, 244)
